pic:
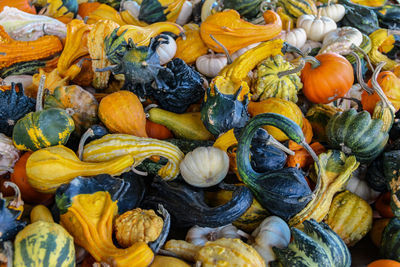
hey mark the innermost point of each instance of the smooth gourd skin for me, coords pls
(246, 8)
(390, 245)
(360, 17)
(42, 129)
(391, 169)
(357, 134)
(283, 192)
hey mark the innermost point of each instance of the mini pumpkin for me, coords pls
(296, 37)
(199, 236)
(333, 11)
(210, 65)
(166, 51)
(137, 226)
(340, 40)
(316, 27)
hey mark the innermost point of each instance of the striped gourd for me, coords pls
(44, 244)
(350, 217)
(390, 245)
(114, 145)
(365, 46)
(296, 8)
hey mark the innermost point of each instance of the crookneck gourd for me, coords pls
(88, 215)
(380, 39)
(283, 192)
(112, 146)
(187, 204)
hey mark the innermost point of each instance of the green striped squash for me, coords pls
(390, 244)
(316, 245)
(365, 46)
(246, 8)
(44, 244)
(42, 129)
(296, 8)
(356, 133)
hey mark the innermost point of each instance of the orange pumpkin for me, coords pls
(157, 131)
(328, 77)
(192, 46)
(122, 112)
(382, 205)
(384, 263)
(85, 9)
(302, 158)
(308, 134)
(390, 85)
(23, 5)
(20, 178)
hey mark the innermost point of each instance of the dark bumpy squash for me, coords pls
(391, 169)
(359, 17)
(13, 106)
(9, 223)
(318, 246)
(246, 8)
(283, 192)
(375, 176)
(390, 244)
(356, 133)
(188, 208)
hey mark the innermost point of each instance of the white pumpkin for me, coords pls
(9, 154)
(339, 40)
(316, 27)
(204, 166)
(358, 185)
(243, 50)
(296, 37)
(211, 64)
(272, 232)
(132, 7)
(185, 13)
(166, 52)
(199, 236)
(26, 80)
(333, 11)
(345, 104)
(310, 45)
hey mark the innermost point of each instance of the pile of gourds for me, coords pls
(205, 133)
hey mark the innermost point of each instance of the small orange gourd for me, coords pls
(191, 47)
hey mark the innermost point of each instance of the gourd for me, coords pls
(376, 232)
(211, 64)
(378, 38)
(42, 128)
(192, 47)
(61, 8)
(160, 10)
(359, 16)
(375, 177)
(248, 9)
(114, 146)
(9, 155)
(294, 193)
(188, 208)
(383, 205)
(221, 112)
(389, 245)
(164, 261)
(359, 186)
(185, 126)
(137, 226)
(44, 242)
(301, 158)
(166, 51)
(157, 131)
(350, 217)
(243, 50)
(199, 236)
(340, 40)
(316, 27)
(204, 166)
(85, 9)
(321, 88)
(122, 112)
(316, 245)
(381, 263)
(333, 11)
(26, 57)
(23, 5)
(271, 81)
(272, 232)
(297, 8)
(279, 106)
(390, 170)
(48, 168)
(235, 33)
(185, 14)
(82, 104)
(296, 37)
(311, 46)
(318, 116)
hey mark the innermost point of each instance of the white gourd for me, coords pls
(316, 27)
(185, 13)
(340, 40)
(166, 52)
(132, 7)
(9, 154)
(243, 50)
(296, 37)
(272, 232)
(199, 236)
(204, 166)
(333, 11)
(310, 45)
(358, 185)
(211, 64)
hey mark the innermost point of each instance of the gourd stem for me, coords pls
(378, 88)
(39, 97)
(315, 63)
(17, 201)
(359, 74)
(272, 142)
(146, 109)
(89, 133)
(228, 56)
(288, 27)
(316, 160)
(292, 71)
(138, 172)
(319, 13)
(243, 234)
(366, 57)
(393, 32)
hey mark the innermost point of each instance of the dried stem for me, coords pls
(228, 56)
(378, 89)
(39, 97)
(89, 133)
(366, 57)
(359, 74)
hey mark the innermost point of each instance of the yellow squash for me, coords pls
(379, 38)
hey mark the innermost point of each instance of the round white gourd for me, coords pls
(166, 52)
(316, 27)
(340, 40)
(296, 37)
(211, 64)
(204, 166)
(333, 11)
(185, 13)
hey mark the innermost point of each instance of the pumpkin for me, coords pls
(85, 9)
(271, 82)
(20, 178)
(302, 158)
(191, 47)
(82, 104)
(340, 40)
(328, 77)
(199, 236)
(296, 8)
(166, 51)
(23, 5)
(389, 245)
(350, 217)
(316, 27)
(8, 154)
(122, 112)
(376, 232)
(272, 232)
(187, 204)
(157, 131)
(333, 11)
(235, 33)
(280, 106)
(44, 242)
(318, 245)
(211, 64)
(137, 226)
(51, 167)
(296, 37)
(204, 166)
(384, 263)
